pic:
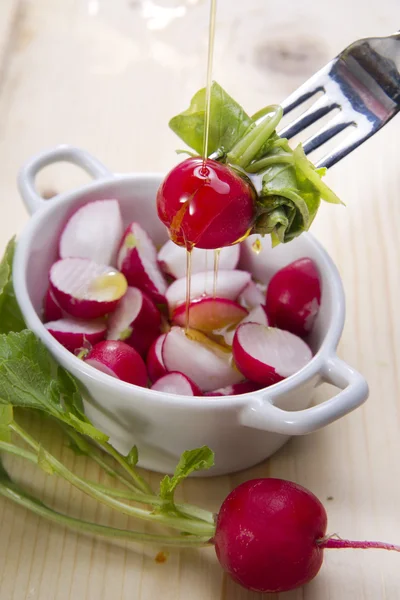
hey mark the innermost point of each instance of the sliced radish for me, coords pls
(257, 315)
(154, 361)
(294, 297)
(200, 359)
(252, 295)
(176, 383)
(85, 289)
(243, 387)
(137, 260)
(118, 360)
(74, 333)
(210, 314)
(172, 259)
(136, 321)
(51, 309)
(229, 285)
(267, 355)
(94, 231)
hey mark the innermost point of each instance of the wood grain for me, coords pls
(107, 75)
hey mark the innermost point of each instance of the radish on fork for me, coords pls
(137, 260)
(93, 231)
(136, 321)
(85, 289)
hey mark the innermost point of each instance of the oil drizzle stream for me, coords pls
(188, 285)
(216, 264)
(211, 36)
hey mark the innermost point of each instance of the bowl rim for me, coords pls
(325, 352)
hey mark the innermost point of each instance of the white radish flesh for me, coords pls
(73, 333)
(200, 359)
(154, 362)
(176, 383)
(94, 231)
(252, 295)
(229, 285)
(210, 314)
(267, 355)
(85, 289)
(172, 259)
(244, 387)
(137, 260)
(257, 315)
(118, 360)
(136, 321)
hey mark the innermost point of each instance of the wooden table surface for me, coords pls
(106, 75)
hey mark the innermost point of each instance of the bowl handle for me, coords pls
(262, 414)
(27, 175)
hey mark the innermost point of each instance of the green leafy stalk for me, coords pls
(10, 314)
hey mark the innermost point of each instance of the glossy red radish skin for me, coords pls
(136, 321)
(243, 387)
(172, 259)
(85, 289)
(137, 260)
(294, 296)
(74, 333)
(229, 285)
(118, 360)
(154, 361)
(210, 314)
(192, 354)
(176, 383)
(207, 206)
(51, 309)
(94, 231)
(267, 535)
(267, 355)
(256, 315)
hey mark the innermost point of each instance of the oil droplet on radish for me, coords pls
(257, 246)
(202, 338)
(109, 287)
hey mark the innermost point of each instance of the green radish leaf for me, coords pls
(190, 461)
(6, 418)
(133, 457)
(4, 476)
(10, 315)
(86, 428)
(228, 121)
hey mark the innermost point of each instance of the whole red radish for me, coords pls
(206, 206)
(294, 296)
(137, 260)
(75, 333)
(93, 231)
(154, 361)
(118, 360)
(136, 321)
(176, 383)
(267, 355)
(267, 535)
(85, 289)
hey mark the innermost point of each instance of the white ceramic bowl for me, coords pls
(242, 430)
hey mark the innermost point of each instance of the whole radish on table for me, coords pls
(120, 305)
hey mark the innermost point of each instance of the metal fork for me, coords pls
(363, 82)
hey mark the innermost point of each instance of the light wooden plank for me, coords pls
(101, 75)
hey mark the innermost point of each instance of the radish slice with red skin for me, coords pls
(51, 309)
(200, 359)
(137, 260)
(94, 231)
(229, 285)
(118, 360)
(243, 387)
(136, 321)
(176, 383)
(267, 355)
(74, 333)
(154, 362)
(172, 259)
(85, 289)
(252, 295)
(294, 296)
(210, 314)
(257, 315)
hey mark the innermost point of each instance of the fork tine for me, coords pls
(307, 90)
(331, 129)
(319, 109)
(351, 142)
